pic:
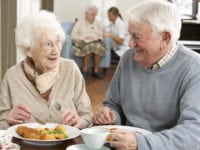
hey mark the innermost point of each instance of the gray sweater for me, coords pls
(165, 101)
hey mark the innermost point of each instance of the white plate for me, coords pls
(84, 147)
(72, 132)
(133, 129)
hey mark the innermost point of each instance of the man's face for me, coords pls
(147, 45)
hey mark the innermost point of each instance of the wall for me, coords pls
(69, 10)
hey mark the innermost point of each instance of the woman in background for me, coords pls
(87, 36)
(118, 32)
(43, 79)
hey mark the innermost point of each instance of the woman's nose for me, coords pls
(55, 49)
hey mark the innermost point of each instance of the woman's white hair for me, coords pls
(160, 15)
(91, 8)
(31, 25)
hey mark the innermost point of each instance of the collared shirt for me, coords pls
(165, 59)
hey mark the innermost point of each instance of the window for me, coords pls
(24, 7)
(186, 8)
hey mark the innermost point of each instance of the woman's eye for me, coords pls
(59, 43)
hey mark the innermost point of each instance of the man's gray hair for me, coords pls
(32, 24)
(160, 15)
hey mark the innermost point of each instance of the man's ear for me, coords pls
(28, 52)
(166, 37)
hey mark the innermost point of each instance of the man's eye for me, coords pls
(48, 43)
(136, 37)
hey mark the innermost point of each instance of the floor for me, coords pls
(97, 88)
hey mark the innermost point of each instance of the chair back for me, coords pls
(67, 27)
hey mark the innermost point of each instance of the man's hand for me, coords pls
(104, 116)
(123, 139)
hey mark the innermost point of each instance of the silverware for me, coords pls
(57, 106)
(37, 119)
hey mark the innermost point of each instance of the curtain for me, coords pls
(0, 42)
(47, 5)
(8, 24)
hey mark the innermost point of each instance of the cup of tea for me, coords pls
(95, 137)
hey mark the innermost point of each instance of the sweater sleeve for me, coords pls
(75, 31)
(5, 105)
(185, 135)
(82, 100)
(113, 96)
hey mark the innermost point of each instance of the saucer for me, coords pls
(84, 147)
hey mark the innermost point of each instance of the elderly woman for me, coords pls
(87, 36)
(43, 79)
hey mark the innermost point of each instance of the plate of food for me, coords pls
(48, 134)
(130, 128)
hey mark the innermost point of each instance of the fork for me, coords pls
(38, 119)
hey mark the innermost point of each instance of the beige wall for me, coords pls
(69, 10)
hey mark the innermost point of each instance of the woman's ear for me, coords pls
(27, 52)
(166, 37)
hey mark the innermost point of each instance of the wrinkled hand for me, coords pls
(107, 34)
(104, 116)
(18, 115)
(72, 119)
(123, 140)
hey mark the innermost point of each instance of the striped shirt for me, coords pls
(165, 59)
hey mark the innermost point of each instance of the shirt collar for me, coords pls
(165, 58)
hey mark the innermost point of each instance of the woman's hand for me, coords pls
(104, 116)
(18, 115)
(123, 139)
(72, 119)
(107, 34)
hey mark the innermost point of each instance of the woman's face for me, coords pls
(112, 17)
(46, 51)
(90, 16)
(147, 46)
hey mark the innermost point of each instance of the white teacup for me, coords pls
(94, 137)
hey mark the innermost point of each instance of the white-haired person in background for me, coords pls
(43, 78)
(87, 36)
(156, 85)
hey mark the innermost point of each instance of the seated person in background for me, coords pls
(156, 86)
(87, 36)
(118, 32)
(43, 78)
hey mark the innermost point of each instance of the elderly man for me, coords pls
(156, 85)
